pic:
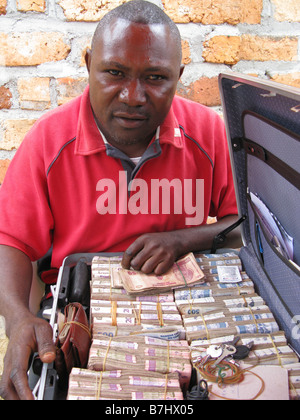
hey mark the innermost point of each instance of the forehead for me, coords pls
(124, 40)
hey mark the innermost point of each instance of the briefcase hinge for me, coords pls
(237, 143)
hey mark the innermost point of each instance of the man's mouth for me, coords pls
(127, 120)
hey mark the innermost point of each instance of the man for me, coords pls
(124, 167)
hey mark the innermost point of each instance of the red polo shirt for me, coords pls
(65, 187)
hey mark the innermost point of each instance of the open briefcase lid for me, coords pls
(262, 121)
(270, 101)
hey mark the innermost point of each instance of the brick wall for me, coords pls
(43, 44)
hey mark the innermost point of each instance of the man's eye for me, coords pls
(115, 72)
(155, 77)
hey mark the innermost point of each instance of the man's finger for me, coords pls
(45, 344)
(131, 252)
(19, 379)
(18, 374)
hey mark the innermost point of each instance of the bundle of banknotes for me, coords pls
(86, 384)
(194, 307)
(185, 272)
(267, 349)
(236, 322)
(106, 284)
(137, 352)
(127, 317)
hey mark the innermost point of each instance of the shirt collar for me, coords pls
(90, 140)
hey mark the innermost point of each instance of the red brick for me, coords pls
(204, 91)
(5, 98)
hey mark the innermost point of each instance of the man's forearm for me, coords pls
(15, 284)
(156, 252)
(201, 237)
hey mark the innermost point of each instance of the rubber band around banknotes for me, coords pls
(215, 375)
(114, 305)
(205, 326)
(84, 327)
(166, 387)
(160, 314)
(276, 350)
(99, 384)
(168, 370)
(254, 319)
(249, 307)
(137, 317)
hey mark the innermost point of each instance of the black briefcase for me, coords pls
(263, 130)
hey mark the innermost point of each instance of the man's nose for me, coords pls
(133, 94)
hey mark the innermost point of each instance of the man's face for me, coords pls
(133, 74)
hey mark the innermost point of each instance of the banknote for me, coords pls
(184, 272)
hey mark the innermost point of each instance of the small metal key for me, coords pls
(227, 351)
(214, 351)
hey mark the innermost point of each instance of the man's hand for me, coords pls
(157, 252)
(153, 252)
(27, 336)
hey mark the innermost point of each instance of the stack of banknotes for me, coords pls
(184, 273)
(142, 353)
(127, 317)
(106, 283)
(123, 385)
(219, 306)
(257, 320)
(266, 349)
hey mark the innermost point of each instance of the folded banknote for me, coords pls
(185, 272)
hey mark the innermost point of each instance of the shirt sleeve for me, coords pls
(26, 222)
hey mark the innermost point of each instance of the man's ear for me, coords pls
(88, 57)
(181, 70)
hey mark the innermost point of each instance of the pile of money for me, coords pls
(213, 324)
(225, 302)
(105, 283)
(141, 353)
(123, 385)
(127, 317)
(201, 306)
(185, 272)
(209, 262)
(149, 330)
(215, 289)
(266, 349)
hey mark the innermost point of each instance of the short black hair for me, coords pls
(143, 12)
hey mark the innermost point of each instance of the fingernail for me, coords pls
(48, 357)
